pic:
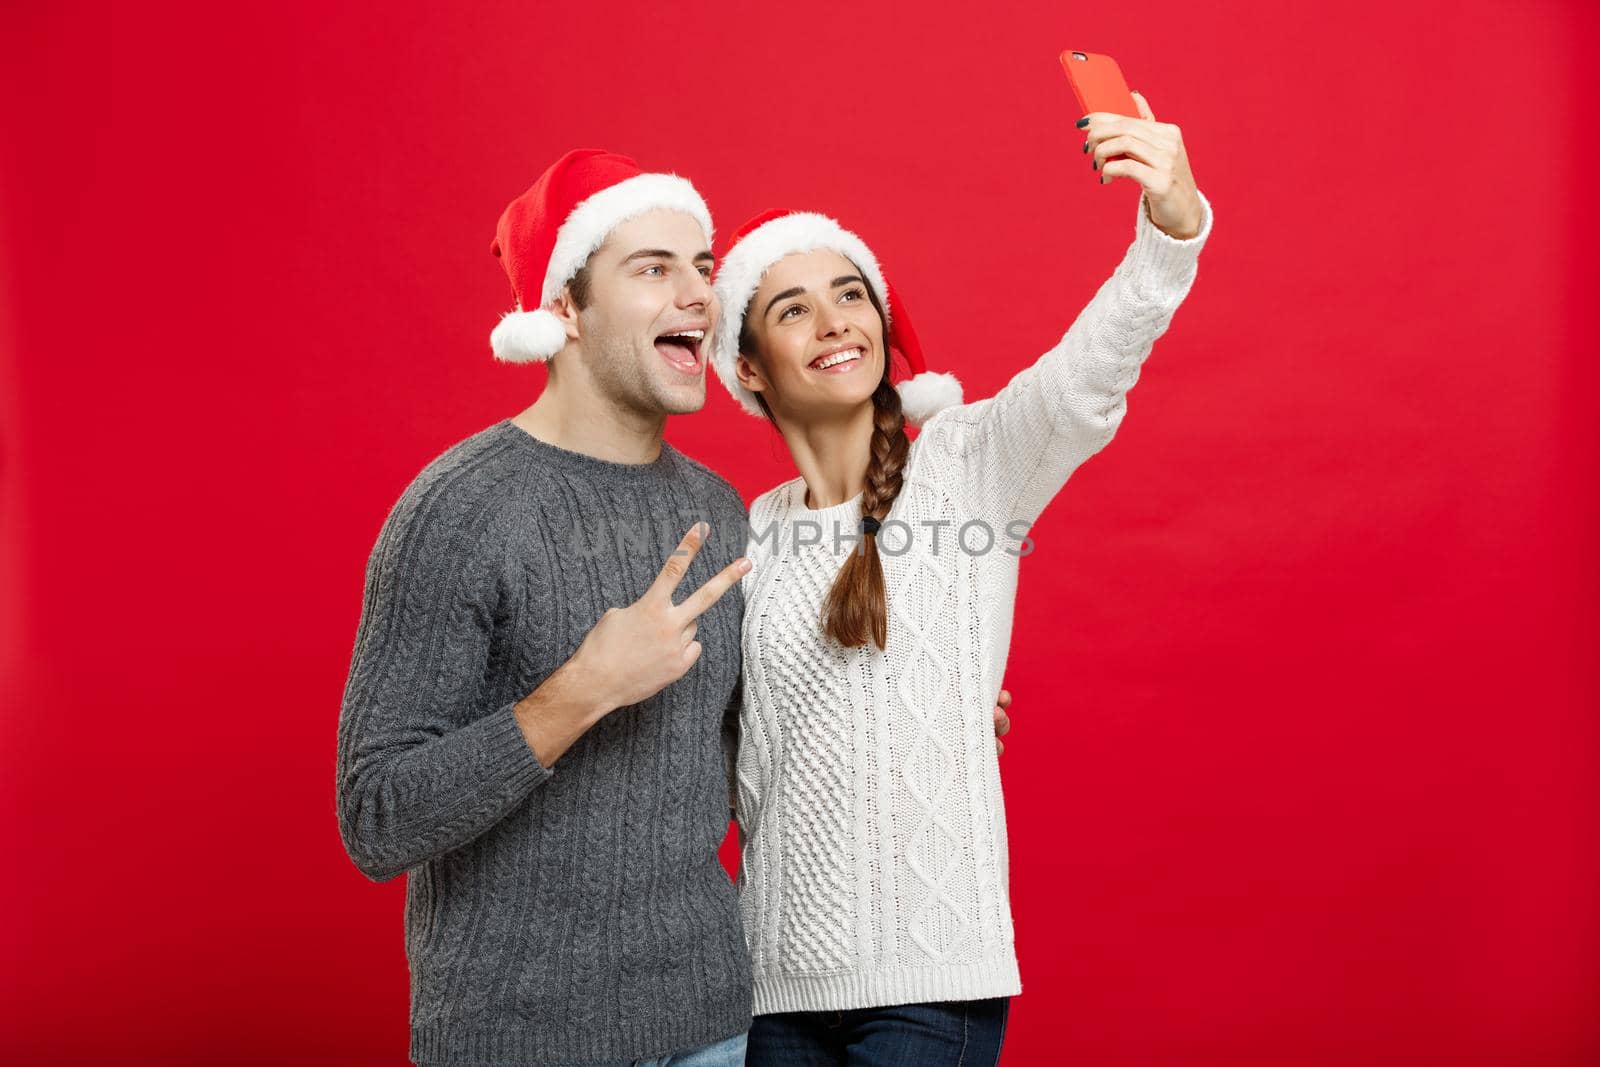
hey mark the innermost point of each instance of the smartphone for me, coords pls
(1097, 82)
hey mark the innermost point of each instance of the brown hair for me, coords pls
(857, 606)
(578, 287)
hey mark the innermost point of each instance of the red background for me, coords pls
(1305, 764)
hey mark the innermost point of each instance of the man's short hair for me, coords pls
(578, 287)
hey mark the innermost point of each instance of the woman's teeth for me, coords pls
(837, 358)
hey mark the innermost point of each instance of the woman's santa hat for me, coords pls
(547, 234)
(770, 236)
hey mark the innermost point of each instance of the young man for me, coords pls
(532, 727)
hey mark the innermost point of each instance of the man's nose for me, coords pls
(696, 291)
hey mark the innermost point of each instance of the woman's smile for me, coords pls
(839, 360)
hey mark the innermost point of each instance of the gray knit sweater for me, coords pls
(553, 915)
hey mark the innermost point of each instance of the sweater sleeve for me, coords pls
(1015, 450)
(730, 747)
(420, 770)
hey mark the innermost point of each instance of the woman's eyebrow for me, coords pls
(786, 294)
(843, 279)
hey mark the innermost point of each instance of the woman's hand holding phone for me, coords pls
(1152, 154)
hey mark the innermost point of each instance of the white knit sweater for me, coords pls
(874, 867)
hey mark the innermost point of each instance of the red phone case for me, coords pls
(1097, 82)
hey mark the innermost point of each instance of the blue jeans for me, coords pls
(958, 1033)
(729, 1053)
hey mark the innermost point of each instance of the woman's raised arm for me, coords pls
(1015, 450)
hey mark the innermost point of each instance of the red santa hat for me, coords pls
(770, 236)
(547, 234)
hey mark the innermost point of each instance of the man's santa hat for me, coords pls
(770, 236)
(547, 234)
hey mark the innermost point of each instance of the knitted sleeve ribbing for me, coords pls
(420, 772)
(1009, 454)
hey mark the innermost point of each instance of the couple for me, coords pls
(545, 728)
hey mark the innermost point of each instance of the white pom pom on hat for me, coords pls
(523, 336)
(924, 395)
(770, 236)
(547, 234)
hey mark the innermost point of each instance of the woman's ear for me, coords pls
(744, 368)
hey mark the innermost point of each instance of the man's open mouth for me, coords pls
(682, 349)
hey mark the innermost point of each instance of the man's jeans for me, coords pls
(729, 1053)
(961, 1033)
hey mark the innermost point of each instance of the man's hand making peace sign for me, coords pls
(631, 654)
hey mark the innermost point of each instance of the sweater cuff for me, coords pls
(1155, 251)
(504, 753)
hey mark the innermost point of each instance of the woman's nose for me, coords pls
(832, 321)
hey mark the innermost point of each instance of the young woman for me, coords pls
(878, 615)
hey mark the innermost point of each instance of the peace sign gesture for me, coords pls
(637, 651)
(1155, 159)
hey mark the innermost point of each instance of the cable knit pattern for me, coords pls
(564, 915)
(874, 859)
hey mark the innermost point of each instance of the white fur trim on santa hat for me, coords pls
(739, 276)
(527, 336)
(592, 221)
(927, 394)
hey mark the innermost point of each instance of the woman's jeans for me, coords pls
(958, 1033)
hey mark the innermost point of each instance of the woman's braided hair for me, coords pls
(857, 606)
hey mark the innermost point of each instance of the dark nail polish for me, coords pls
(1083, 122)
(1095, 164)
(1086, 146)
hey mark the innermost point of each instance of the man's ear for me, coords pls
(565, 309)
(749, 375)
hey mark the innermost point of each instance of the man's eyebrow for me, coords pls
(651, 253)
(668, 255)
